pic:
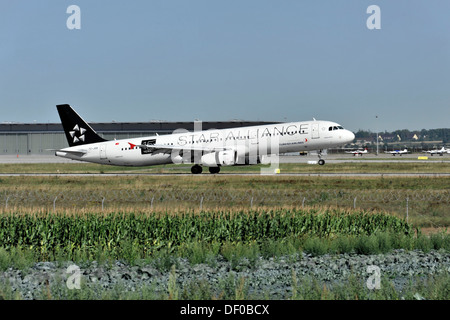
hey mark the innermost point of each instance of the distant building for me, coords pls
(35, 138)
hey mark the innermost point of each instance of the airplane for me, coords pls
(399, 152)
(440, 152)
(211, 148)
(358, 152)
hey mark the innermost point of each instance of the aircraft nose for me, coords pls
(350, 136)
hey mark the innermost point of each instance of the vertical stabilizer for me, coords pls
(78, 131)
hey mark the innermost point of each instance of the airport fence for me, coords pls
(405, 202)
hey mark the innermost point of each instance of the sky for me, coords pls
(217, 60)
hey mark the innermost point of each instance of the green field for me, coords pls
(160, 217)
(424, 201)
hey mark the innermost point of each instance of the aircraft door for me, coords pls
(254, 137)
(315, 131)
(103, 151)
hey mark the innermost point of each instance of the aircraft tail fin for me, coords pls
(78, 131)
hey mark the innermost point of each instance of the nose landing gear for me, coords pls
(321, 161)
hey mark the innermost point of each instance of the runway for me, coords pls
(418, 175)
(337, 158)
(332, 158)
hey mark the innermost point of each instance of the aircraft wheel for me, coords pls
(321, 162)
(196, 169)
(214, 170)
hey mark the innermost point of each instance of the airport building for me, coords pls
(37, 138)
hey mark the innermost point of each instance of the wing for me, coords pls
(162, 148)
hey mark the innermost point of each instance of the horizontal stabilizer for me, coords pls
(77, 153)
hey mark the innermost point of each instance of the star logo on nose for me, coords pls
(77, 134)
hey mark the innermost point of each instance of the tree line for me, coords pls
(407, 135)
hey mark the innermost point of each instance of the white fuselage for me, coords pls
(440, 152)
(245, 141)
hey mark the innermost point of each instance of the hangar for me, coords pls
(36, 138)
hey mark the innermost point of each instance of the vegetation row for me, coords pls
(150, 232)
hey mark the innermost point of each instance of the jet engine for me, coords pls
(219, 158)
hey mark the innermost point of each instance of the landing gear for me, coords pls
(214, 170)
(321, 161)
(196, 169)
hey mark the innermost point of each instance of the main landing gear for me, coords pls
(196, 169)
(214, 170)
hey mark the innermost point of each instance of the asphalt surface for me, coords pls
(312, 159)
(334, 158)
